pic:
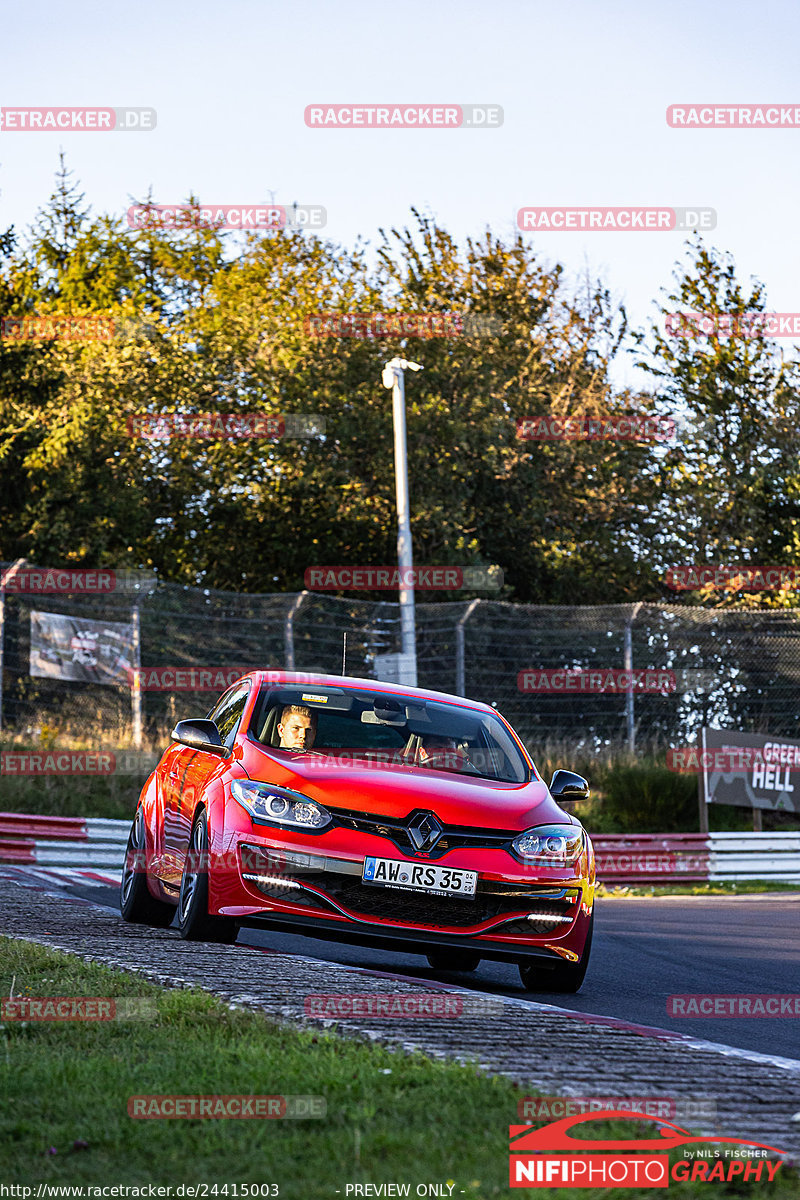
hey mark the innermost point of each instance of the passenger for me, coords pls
(297, 727)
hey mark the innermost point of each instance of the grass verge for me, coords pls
(391, 1117)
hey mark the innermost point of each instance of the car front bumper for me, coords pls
(515, 913)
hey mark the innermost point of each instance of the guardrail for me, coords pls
(27, 838)
(651, 857)
(697, 858)
(621, 857)
(742, 856)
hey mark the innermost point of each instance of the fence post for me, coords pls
(5, 577)
(136, 682)
(628, 664)
(461, 687)
(2, 644)
(288, 630)
(702, 785)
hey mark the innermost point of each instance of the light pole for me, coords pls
(394, 378)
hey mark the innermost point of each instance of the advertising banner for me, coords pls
(750, 770)
(83, 651)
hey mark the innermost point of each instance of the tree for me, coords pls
(729, 489)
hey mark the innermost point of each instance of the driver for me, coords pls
(435, 750)
(297, 727)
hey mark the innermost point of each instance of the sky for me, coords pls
(584, 88)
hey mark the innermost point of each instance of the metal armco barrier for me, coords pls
(31, 825)
(651, 857)
(697, 858)
(62, 841)
(754, 856)
(621, 857)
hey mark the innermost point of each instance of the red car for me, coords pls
(365, 812)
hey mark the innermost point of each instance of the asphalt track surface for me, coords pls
(644, 951)
(554, 1045)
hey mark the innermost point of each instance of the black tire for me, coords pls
(564, 977)
(135, 902)
(454, 960)
(194, 922)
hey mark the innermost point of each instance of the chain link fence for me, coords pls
(731, 669)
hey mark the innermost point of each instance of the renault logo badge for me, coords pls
(425, 831)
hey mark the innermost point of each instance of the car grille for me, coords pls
(414, 907)
(453, 837)
(419, 908)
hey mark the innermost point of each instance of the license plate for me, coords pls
(420, 877)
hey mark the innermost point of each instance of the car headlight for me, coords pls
(550, 845)
(266, 803)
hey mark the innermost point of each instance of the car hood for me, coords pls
(391, 791)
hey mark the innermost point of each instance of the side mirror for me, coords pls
(200, 735)
(566, 786)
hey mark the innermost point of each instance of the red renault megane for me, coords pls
(365, 812)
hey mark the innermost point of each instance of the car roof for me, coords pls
(309, 679)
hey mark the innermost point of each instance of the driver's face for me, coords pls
(434, 747)
(296, 732)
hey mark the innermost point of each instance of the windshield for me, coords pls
(355, 726)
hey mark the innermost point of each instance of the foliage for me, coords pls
(214, 322)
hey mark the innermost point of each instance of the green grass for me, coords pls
(77, 796)
(391, 1117)
(68, 796)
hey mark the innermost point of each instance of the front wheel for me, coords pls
(454, 960)
(135, 902)
(564, 977)
(194, 922)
